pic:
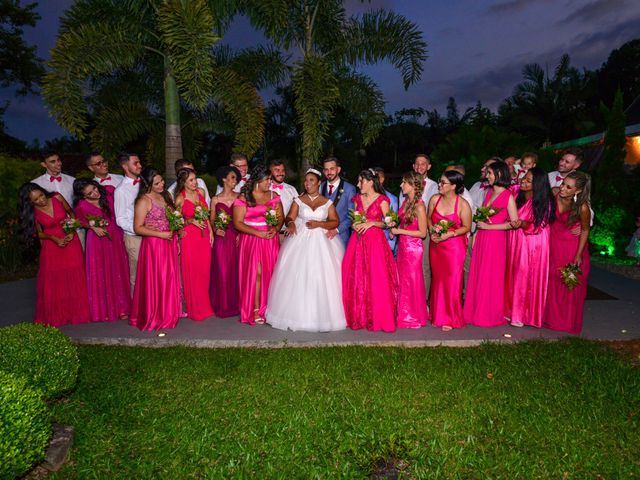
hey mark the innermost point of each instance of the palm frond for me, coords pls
(263, 66)
(364, 101)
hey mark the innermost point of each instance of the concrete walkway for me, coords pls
(617, 319)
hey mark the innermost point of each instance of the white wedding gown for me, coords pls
(305, 293)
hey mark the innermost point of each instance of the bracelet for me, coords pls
(287, 224)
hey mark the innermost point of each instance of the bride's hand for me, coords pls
(311, 224)
(291, 229)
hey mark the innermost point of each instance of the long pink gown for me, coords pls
(61, 286)
(484, 300)
(156, 296)
(223, 290)
(107, 265)
(256, 252)
(565, 308)
(370, 276)
(412, 299)
(195, 263)
(527, 271)
(447, 273)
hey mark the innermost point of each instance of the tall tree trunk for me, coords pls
(173, 131)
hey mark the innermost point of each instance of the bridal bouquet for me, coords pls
(569, 274)
(98, 222)
(222, 220)
(485, 213)
(271, 217)
(175, 218)
(201, 214)
(391, 219)
(441, 227)
(70, 225)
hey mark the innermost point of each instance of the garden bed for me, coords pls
(567, 409)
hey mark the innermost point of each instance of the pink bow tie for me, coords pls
(136, 181)
(485, 186)
(559, 178)
(276, 186)
(55, 179)
(245, 178)
(106, 179)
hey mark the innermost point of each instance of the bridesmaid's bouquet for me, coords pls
(70, 225)
(356, 216)
(569, 274)
(98, 222)
(175, 218)
(201, 214)
(391, 219)
(271, 217)
(485, 213)
(222, 220)
(441, 227)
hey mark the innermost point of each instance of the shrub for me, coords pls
(44, 356)
(25, 426)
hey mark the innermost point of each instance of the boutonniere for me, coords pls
(341, 191)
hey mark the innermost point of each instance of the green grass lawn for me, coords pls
(563, 410)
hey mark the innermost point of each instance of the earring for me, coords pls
(575, 198)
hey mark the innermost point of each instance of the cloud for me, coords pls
(509, 7)
(596, 11)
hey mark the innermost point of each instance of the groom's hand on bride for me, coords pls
(291, 229)
(332, 233)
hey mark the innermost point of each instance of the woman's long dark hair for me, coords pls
(146, 182)
(258, 174)
(456, 179)
(78, 189)
(501, 172)
(26, 213)
(544, 205)
(181, 180)
(371, 175)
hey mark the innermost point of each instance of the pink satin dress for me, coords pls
(412, 299)
(527, 271)
(370, 276)
(195, 264)
(565, 308)
(156, 296)
(61, 286)
(447, 273)
(484, 300)
(223, 290)
(107, 265)
(256, 252)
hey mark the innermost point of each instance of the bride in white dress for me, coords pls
(305, 293)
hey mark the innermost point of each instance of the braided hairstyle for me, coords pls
(410, 205)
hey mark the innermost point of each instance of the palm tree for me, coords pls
(327, 45)
(125, 68)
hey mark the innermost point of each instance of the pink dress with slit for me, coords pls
(256, 252)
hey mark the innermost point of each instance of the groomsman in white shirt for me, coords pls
(287, 192)
(99, 166)
(240, 161)
(479, 189)
(179, 165)
(569, 162)
(125, 198)
(53, 180)
(422, 165)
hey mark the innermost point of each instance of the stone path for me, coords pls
(617, 319)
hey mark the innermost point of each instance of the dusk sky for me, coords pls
(476, 49)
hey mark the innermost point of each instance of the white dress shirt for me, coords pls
(112, 179)
(64, 186)
(201, 184)
(238, 186)
(477, 193)
(555, 179)
(430, 189)
(124, 199)
(287, 194)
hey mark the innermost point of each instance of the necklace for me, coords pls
(313, 199)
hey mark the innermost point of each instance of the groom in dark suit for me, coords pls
(340, 192)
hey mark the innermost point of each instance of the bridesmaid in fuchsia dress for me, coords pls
(447, 250)
(484, 299)
(258, 216)
(195, 246)
(412, 299)
(369, 274)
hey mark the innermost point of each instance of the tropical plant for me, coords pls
(122, 70)
(329, 45)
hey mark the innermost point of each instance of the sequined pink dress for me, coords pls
(107, 264)
(370, 276)
(156, 297)
(447, 273)
(412, 299)
(256, 252)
